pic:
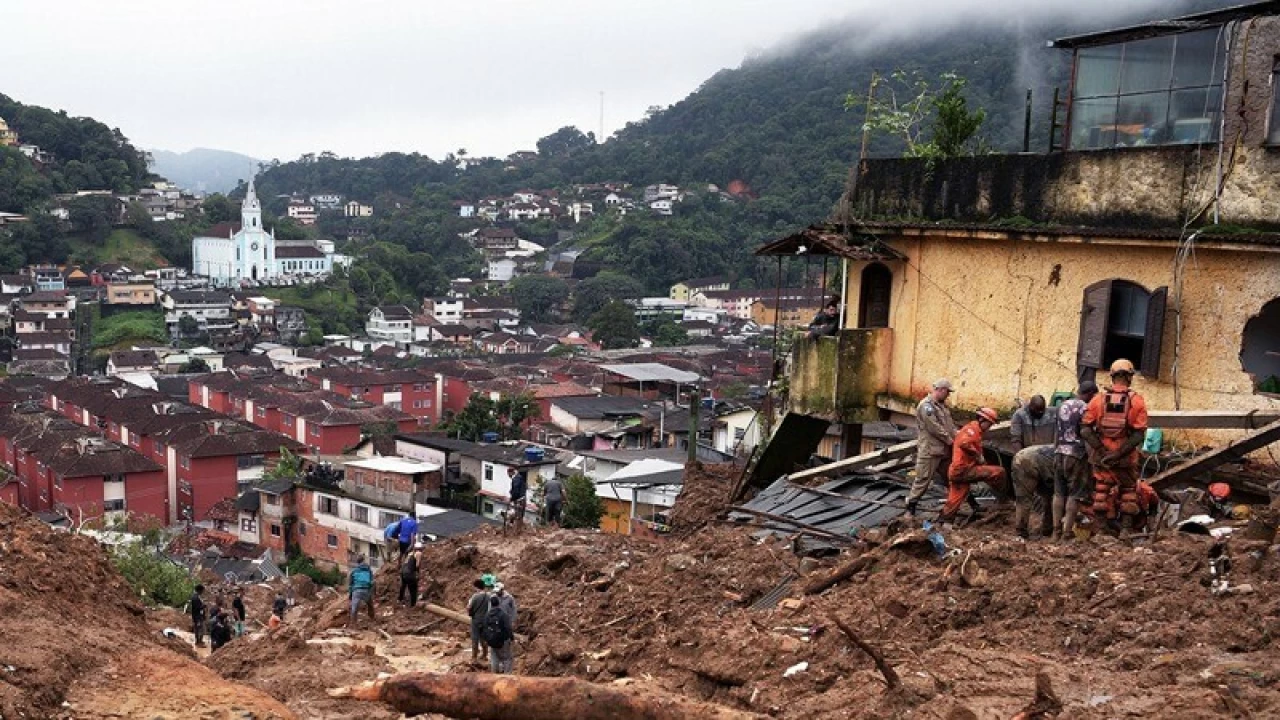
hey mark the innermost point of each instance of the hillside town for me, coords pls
(995, 438)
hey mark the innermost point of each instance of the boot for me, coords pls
(1047, 525)
(976, 508)
(1069, 514)
(1058, 510)
(1021, 515)
(911, 508)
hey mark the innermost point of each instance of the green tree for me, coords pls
(473, 421)
(665, 332)
(219, 208)
(593, 293)
(615, 326)
(514, 411)
(538, 296)
(288, 466)
(565, 141)
(188, 326)
(931, 119)
(582, 507)
(157, 579)
(194, 365)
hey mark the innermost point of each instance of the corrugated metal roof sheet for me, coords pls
(651, 372)
(867, 501)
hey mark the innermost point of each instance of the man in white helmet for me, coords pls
(936, 431)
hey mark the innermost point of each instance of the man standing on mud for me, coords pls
(1113, 426)
(360, 590)
(1071, 482)
(519, 495)
(197, 614)
(936, 431)
(477, 609)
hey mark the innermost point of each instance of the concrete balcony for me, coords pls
(838, 378)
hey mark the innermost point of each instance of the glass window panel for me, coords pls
(1146, 64)
(1142, 119)
(1194, 115)
(1098, 71)
(1274, 136)
(1198, 58)
(1093, 124)
(1128, 311)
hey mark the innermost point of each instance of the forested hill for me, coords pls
(86, 155)
(777, 123)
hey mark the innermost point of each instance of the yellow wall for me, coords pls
(617, 517)
(1012, 285)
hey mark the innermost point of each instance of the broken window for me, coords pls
(1121, 319)
(1260, 351)
(1273, 137)
(1154, 91)
(874, 297)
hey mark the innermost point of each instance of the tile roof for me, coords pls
(134, 358)
(221, 230)
(294, 252)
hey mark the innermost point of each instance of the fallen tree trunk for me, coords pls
(447, 613)
(890, 675)
(513, 697)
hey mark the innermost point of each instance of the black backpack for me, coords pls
(495, 631)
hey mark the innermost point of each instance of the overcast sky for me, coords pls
(277, 78)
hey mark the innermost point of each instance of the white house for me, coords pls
(661, 206)
(392, 323)
(354, 209)
(326, 201)
(501, 269)
(466, 209)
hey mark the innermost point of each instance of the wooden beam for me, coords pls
(1233, 451)
(870, 460)
(1211, 419)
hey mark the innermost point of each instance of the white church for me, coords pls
(244, 253)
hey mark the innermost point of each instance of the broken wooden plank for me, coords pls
(1233, 451)
(1211, 419)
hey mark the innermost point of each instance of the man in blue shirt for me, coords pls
(408, 534)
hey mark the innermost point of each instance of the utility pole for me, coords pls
(695, 404)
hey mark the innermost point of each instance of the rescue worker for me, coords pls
(936, 432)
(1033, 474)
(1031, 425)
(967, 467)
(1072, 479)
(1113, 427)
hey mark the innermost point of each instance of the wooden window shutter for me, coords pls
(1093, 327)
(1154, 334)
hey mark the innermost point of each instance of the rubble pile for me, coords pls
(74, 641)
(703, 497)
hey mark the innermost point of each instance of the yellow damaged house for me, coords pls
(1147, 232)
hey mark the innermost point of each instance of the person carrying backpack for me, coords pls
(477, 610)
(498, 635)
(360, 589)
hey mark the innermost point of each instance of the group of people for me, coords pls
(1081, 457)
(493, 621)
(552, 498)
(221, 624)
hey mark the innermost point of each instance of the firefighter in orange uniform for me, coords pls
(1113, 427)
(967, 466)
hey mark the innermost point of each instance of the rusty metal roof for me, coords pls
(883, 228)
(830, 240)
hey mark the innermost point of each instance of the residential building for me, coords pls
(53, 303)
(303, 213)
(494, 239)
(503, 343)
(662, 207)
(661, 191)
(501, 269)
(8, 138)
(443, 310)
(291, 323)
(465, 209)
(655, 307)
(1099, 230)
(26, 322)
(211, 309)
(392, 323)
(738, 303)
(787, 313)
(683, 291)
(417, 393)
(326, 201)
(132, 361)
(129, 292)
(393, 481)
(487, 467)
(355, 209)
(303, 259)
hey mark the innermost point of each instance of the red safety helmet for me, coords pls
(989, 415)
(1219, 491)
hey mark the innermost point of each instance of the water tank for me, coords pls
(534, 454)
(489, 437)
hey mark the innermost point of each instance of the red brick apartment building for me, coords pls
(419, 394)
(206, 456)
(56, 465)
(324, 421)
